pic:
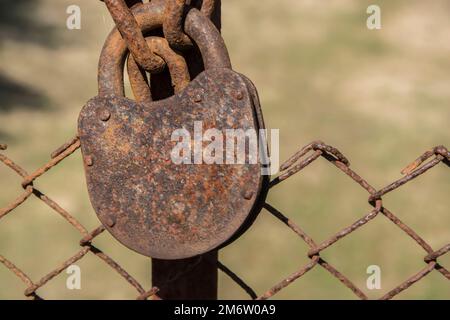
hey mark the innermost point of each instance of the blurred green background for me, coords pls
(382, 97)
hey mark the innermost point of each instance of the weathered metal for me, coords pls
(174, 21)
(150, 17)
(175, 63)
(194, 278)
(149, 203)
(131, 32)
(162, 209)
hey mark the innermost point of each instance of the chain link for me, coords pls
(176, 64)
(173, 26)
(145, 58)
(132, 34)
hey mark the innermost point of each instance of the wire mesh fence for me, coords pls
(306, 156)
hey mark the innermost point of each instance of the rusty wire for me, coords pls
(314, 151)
(87, 237)
(299, 161)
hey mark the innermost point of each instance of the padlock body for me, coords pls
(157, 206)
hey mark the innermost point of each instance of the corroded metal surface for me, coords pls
(265, 186)
(147, 202)
(227, 100)
(130, 31)
(175, 63)
(174, 21)
(168, 220)
(150, 17)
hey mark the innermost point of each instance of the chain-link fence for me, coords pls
(306, 156)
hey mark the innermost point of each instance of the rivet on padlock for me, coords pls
(162, 209)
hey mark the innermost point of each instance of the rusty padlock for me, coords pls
(148, 202)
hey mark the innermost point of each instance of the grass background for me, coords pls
(382, 97)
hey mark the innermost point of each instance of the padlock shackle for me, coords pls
(208, 39)
(150, 16)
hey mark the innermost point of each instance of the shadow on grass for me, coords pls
(19, 22)
(14, 95)
(6, 138)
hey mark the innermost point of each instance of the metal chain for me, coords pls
(152, 59)
(131, 32)
(173, 25)
(175, 63)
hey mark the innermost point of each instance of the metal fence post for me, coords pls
(188, 279)
(194, 278)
